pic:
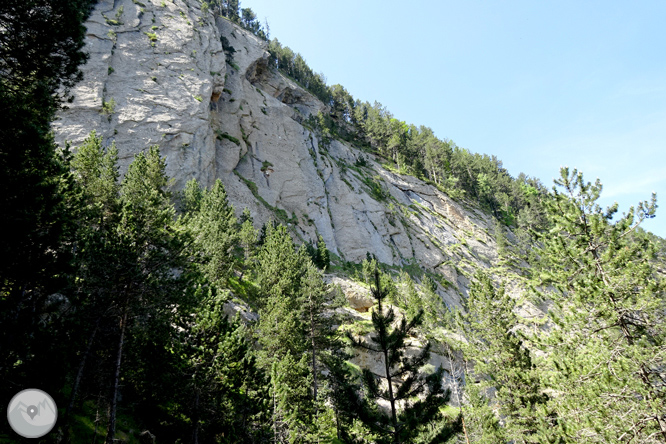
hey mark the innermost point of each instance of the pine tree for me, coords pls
(215, 231)
(408, 298)
(437, 312)
(127, 255)
(192, 196)
(318, 253)
(319, 328)
(247, 236)
(282, 334)
(323, 255)
(606, 349)
(227, 394)
(502, 365)
(96, 174)
(401, 383)
(146, 249)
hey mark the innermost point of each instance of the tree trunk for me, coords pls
(195, 435)
(111, 434)
(79, 373)
(394, 419)
(314, 358)
(97, 418)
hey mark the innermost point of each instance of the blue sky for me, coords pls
(539, 84)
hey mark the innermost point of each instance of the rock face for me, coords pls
(158, 74)
(358, 297)
(154, 67)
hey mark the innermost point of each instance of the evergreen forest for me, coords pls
(156, 315)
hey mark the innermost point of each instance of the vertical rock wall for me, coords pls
(158, 74)
(153, 67)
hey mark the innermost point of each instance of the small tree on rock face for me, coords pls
(414, 399)
(319, 254)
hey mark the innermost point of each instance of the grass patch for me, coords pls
(152, 37)
(265, 165)
(375, 188)
(358, 328)
(222, 136)
(244, 289)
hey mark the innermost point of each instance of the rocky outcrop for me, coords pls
(358, 297)
(153, 70)
(204, 90)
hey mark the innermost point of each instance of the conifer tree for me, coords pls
(327, 352)
(127, 255)
(282, 334)
(606, 349)
(95, 173)
(146, 249)
(227, 394)
(247, 236)
(192, 196)
(318, 253)
(401, 382)
(502, 365)
(215, 231)
(323, 255)
(319, 327)
(408, 298)
(437, 312)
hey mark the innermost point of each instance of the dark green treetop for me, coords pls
(414, 398)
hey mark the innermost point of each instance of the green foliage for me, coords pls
(39, 63)
(408, 298)
(421, 396)
(500, 239)
(322, 125)
(152, 37)
(101, 274)
(128, 248)
(416, 150)
(361, 161)
(605, 351)
(503, 364)
(108, 107)
(265, 165)
(215, 232)
(294, 65)
(375, 188)
(319, 254)
(226, 395)
(222, 136)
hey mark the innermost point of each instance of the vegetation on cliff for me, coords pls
(114, 293)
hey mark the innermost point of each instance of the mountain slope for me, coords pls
(158, 75)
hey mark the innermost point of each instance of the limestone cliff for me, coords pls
(167, 73)
(158, 74)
